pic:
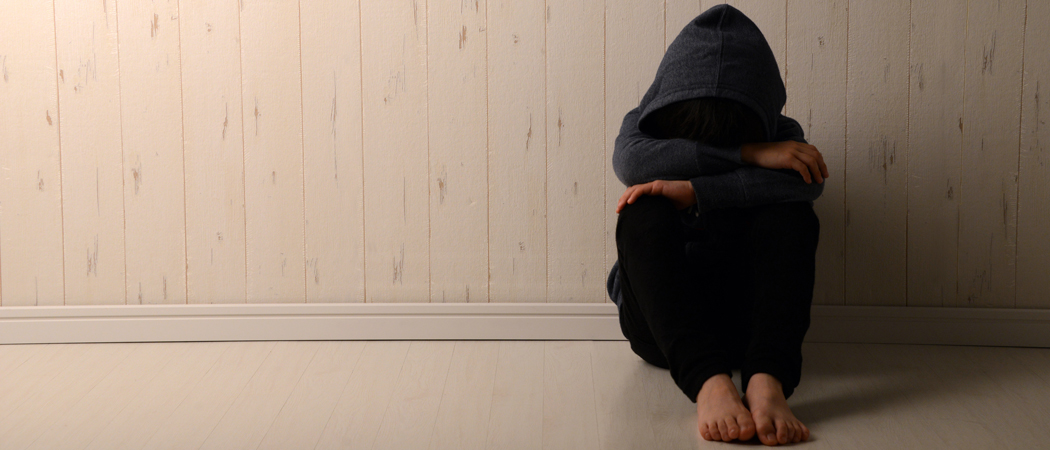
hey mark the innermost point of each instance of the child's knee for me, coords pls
(648, 214)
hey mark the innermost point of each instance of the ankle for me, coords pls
(719, 382)
(764, 383)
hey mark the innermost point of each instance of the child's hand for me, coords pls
(680, 192)
(786, 155)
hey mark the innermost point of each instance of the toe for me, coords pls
(704, 433)
(747, 427)
(782, 431)
(805, 433)
(766, 431)
(793, 432)
(712, 427)
(723, 430)
(733, 428)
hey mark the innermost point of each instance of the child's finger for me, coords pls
(634, 195)
(622, 201)
(802, 169)
(820, 162)
(813, 162)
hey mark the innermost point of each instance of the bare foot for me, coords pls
(720, 413)
(774, 421)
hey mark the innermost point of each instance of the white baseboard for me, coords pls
(299, 321)
(483, 321)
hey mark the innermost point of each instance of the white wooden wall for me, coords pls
(191, 151)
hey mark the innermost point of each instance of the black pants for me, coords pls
(735, 295)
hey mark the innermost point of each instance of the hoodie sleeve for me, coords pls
(752, 186)
(639, 158)
(788, 129)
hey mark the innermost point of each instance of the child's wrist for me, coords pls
(745, 153)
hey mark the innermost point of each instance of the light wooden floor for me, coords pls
(493, 395)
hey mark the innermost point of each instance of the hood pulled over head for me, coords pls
(721, 54)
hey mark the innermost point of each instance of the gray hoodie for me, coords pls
(721, 53)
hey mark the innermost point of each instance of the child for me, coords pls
(716, 236)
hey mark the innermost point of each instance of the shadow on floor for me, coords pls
(841, 380)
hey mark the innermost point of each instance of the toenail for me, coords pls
(771, 437)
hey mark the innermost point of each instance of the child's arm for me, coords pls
(788, 129)
(719, 178)
(639, 158)
(752, 185)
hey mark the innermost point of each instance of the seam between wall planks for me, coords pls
(182, 117)
(302, 144)
(546, 165)
(488, 186)
(845, 160)
(58, 118)
(962, 144)
(123, 182)
(1020, 125)
(244, 177)
(605, 134)
(907, 162)
(361, 79)
(426, 106)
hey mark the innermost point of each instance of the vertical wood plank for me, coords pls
(816, 91)
(677, 14)
(214, 149)
(517, 152)
(92, 160)
(934, 129)
(991, 116)
(516, 414)
(331, 48)
(1033, 201)
(273, 151)
(151, 124)
(394, 61)
(575, 151)
(456, 105)
(569, 414)
(408, 419)
(466, 401)
(31, 185)
(876, 153)
(633, 49)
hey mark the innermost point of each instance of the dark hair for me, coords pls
(714, 121)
